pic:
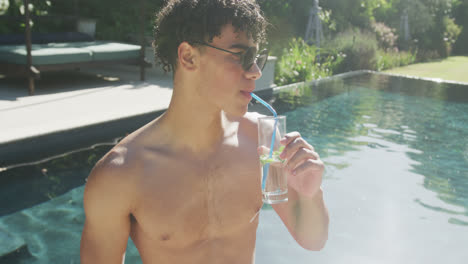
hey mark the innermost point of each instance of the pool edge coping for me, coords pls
(277, 89)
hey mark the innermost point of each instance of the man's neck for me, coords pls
(193, 125)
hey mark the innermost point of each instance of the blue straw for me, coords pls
(265, 104)
(265, 173)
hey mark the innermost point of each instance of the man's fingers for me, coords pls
(294, 146)
(301, 155)
(289, 137)
(309, 165)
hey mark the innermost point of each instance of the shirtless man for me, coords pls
(187, 186)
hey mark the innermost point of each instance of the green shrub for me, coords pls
(452, 31)
(461, 18)
(425, 55)
(300, 62)
(391, 59)
(438, 40)
(116, 19)
(386, 36)
(360, 49)
(119, 20)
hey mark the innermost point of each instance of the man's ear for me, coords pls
(187, 56)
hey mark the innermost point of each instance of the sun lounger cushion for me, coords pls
(59, 53)
(102, 50)
(43, 54)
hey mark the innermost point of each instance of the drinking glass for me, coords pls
(274, 175)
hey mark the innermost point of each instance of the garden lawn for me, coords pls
(450, 69)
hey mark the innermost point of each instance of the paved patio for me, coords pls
(66, 101)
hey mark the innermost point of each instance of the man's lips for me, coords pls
(247, 94)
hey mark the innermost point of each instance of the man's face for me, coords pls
(224, 82)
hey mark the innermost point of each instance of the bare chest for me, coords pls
(216, 199)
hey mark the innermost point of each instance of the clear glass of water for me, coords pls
(274, 176)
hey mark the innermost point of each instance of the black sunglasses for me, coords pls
(247, 57)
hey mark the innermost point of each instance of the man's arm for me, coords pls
(305, 214)
(107, 205)
(306, 219)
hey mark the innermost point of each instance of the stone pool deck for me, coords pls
(67, 102)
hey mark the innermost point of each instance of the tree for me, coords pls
(461, 18)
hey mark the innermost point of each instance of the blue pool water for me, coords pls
(396, 180)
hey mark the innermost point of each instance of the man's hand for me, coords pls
(303, 163)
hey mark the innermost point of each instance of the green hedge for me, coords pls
(391, 59)
(116, 19)
(300, 62)
(360, 49)
(351, 51)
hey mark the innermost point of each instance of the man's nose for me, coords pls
(254, 73)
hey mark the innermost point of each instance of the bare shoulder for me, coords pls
(111, 179)
(121, 170)
(118, 166)
(113, 164)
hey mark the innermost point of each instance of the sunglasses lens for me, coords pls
(262, 59)
(250, 57)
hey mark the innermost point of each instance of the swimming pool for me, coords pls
(396, 181)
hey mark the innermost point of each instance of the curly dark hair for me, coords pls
(196, 21)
